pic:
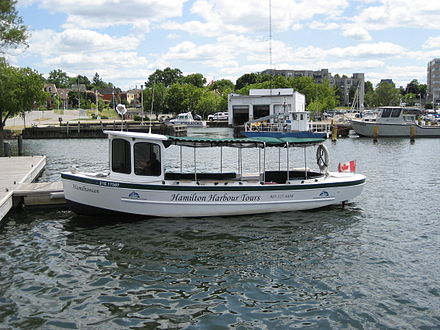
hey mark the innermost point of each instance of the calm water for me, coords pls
(373, 264)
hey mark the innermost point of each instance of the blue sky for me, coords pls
(124, 41)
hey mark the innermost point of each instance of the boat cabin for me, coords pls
(397, 114)
(136, 156)
(139, 157)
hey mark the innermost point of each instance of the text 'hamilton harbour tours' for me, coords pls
(194, 197)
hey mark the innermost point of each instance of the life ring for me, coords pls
(322, 157)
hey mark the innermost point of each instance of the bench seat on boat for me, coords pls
(200, 176)
(281, 176)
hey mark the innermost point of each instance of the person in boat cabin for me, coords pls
(146, 159)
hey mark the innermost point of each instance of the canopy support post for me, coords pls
(264, 162)
(181, 160)
(195, 164)
(221, 159)
(305, 162)
(288, 167)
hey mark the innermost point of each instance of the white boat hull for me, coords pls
(168, 199)
(363, 128)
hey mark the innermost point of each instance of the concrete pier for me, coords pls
(13, 172)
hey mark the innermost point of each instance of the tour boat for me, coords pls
(138, 182)
(394, 122)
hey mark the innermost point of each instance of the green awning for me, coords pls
(260, 142)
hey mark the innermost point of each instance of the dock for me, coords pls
(17, 175)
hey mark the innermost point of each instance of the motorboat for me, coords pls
(395, 122)
(282, 125)
(187, 119)
(138, 182)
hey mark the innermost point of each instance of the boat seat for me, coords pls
(281, 176)
(200, 176)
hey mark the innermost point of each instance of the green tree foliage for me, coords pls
(209, 102)
(167, 77)
(222, 86)
(195, 79)
(12, 31)
(59, 78)
(385, 94)
(160, 99)
(98, 83)
(409, 99)
(81, 80)
(21, 89)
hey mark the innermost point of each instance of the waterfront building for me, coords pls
(345, 84)
(433, 81)
(263, 102)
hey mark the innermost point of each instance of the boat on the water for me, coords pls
(187, 119)
(138, 182)
(395, 122)
(294, 124)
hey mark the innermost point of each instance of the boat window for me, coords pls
(121, 160)
(386, 113)
(147, 159)
(395, 113)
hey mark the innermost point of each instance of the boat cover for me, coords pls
(259, 142)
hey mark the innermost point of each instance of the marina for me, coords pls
(371, 264)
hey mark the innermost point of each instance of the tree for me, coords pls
(413, 87)
(21, 89)
(59, 78)
(222, 86)
(208, 103)
(12, 31)
(80, 80)
(195, 79)
(159, 104)
(167, 77)
(98, 83)
(385, 94)
(246, 79)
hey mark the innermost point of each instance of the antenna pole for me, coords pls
(152, 103)
(142, 105)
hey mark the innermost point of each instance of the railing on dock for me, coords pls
(78, 129)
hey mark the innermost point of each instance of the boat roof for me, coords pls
(191, 141)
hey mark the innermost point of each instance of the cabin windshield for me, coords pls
(121, 158)
(396, 113)
(386, 113)
(147, 159)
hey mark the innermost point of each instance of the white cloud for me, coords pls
(432, 42)
(252, 16)
(104, 13)
(400, 13)
(48, 42)
(379, 49)
(356, 32)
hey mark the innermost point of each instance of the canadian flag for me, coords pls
(347, 167)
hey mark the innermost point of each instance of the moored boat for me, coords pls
(187, 119)
(295, 124)
(394, 122)
(139, 184)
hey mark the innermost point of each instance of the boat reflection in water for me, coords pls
(138, 183)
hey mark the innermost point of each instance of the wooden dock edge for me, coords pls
(5, 205)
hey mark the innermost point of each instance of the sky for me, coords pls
(124, 41)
